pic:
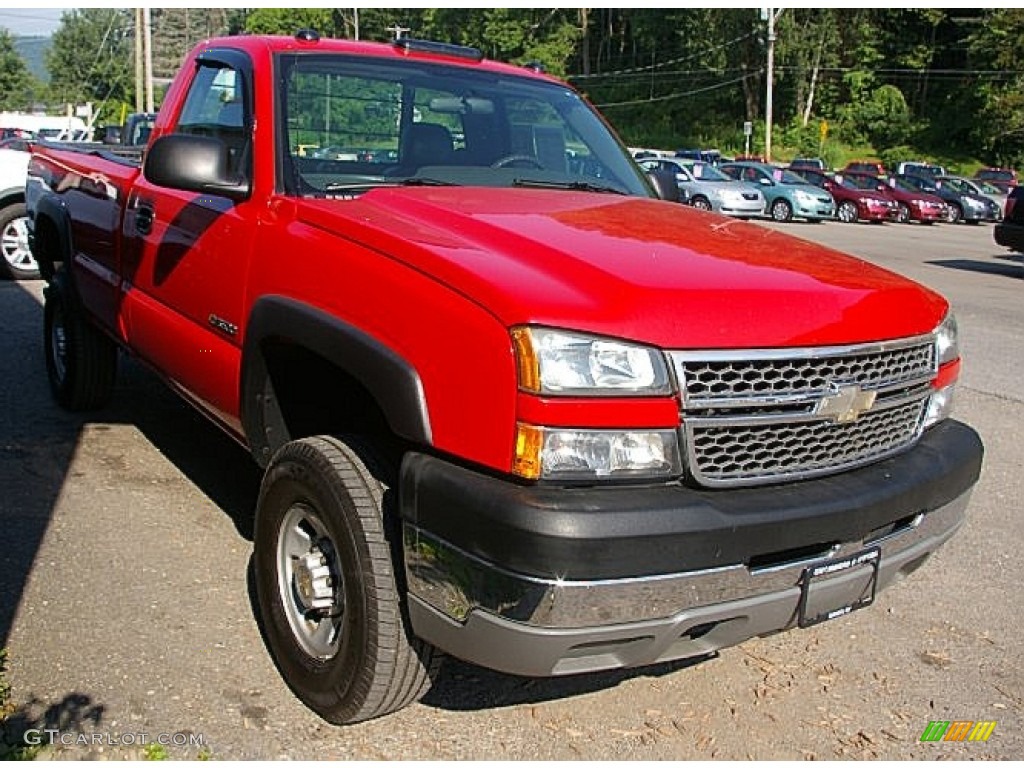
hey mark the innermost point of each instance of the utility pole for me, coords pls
(138, 61)
(355, 22)
(148, 55)
(771, 15)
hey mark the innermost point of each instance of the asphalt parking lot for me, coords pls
(126, 609)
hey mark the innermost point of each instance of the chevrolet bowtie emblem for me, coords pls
(844, 404)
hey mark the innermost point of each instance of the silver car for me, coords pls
(709, 188)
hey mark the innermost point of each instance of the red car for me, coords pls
(853, 202)
(1004, 178)
(911, 203)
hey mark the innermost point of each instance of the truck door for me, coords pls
(187, 255)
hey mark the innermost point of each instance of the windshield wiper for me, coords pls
(581, 186)
(367, 184)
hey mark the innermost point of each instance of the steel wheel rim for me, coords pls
(14, 244)
(309, 582)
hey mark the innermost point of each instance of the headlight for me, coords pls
(588, 454)
(947, 350)
(947, 346)
(802, 196)
(552, 362)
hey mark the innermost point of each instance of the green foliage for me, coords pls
(92, 59)
(12, 745)
(156, 752)
(17, 86)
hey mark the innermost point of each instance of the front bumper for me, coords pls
(546, 582)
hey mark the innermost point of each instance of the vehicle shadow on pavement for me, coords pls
(39, 441)
(465, 687)
(984, 267)
(33, 723)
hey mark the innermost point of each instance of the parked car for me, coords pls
(1004, 178)
(807, 163)
(980, 188)
(960, 205)
(855, 201)
(912, 204)
(918, 168)
(709, 189)
(865, 166)
(17, 262)
(712, 156)
(787, 194)
(1009, 232)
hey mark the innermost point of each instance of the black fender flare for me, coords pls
(392, 381)
(51, 209)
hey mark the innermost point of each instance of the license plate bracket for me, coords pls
(821, 573)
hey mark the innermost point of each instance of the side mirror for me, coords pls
(195, 164)
(765, 181)
(664, 183)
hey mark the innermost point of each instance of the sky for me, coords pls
(31, 21)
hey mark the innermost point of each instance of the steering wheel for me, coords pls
(507, 160)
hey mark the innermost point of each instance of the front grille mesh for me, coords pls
(752, 419)
(734, 379)
(735, 454)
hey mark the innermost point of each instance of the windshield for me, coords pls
(351, 123)
(860, 182)
(960, 185)
(907, 186)
(706, 172)
(783, 176)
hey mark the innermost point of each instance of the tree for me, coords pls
(91, 59)
(17, 86)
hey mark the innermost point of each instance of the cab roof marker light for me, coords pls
(409, 45)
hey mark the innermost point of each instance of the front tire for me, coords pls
(954, 213)
(81, 362)
(902, 213)
(327, 585)
(701, 203)
(782, 210)
(847, 212)
(18, 261)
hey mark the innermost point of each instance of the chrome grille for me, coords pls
(767, 416)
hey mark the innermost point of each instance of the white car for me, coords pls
(17, 261)
(710, 189)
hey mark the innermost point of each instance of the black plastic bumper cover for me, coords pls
(628, 531)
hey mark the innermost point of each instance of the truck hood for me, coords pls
(647, 270)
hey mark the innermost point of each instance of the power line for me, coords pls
(672, 96)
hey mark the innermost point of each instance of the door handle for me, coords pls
(144, 217)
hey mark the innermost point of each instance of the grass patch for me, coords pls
(12, 745)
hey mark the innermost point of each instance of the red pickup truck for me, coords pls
(511, 406)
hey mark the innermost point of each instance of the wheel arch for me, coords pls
(50, 235)
(286, 341)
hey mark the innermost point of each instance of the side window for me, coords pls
(215, 107)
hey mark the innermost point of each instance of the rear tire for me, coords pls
(327, 581)
(81, 362)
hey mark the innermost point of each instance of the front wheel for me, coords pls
(701, 203)
(327, 585)
(782, 210)
(18, 261)
(954, 213)
(902, 213)
(847, 212)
